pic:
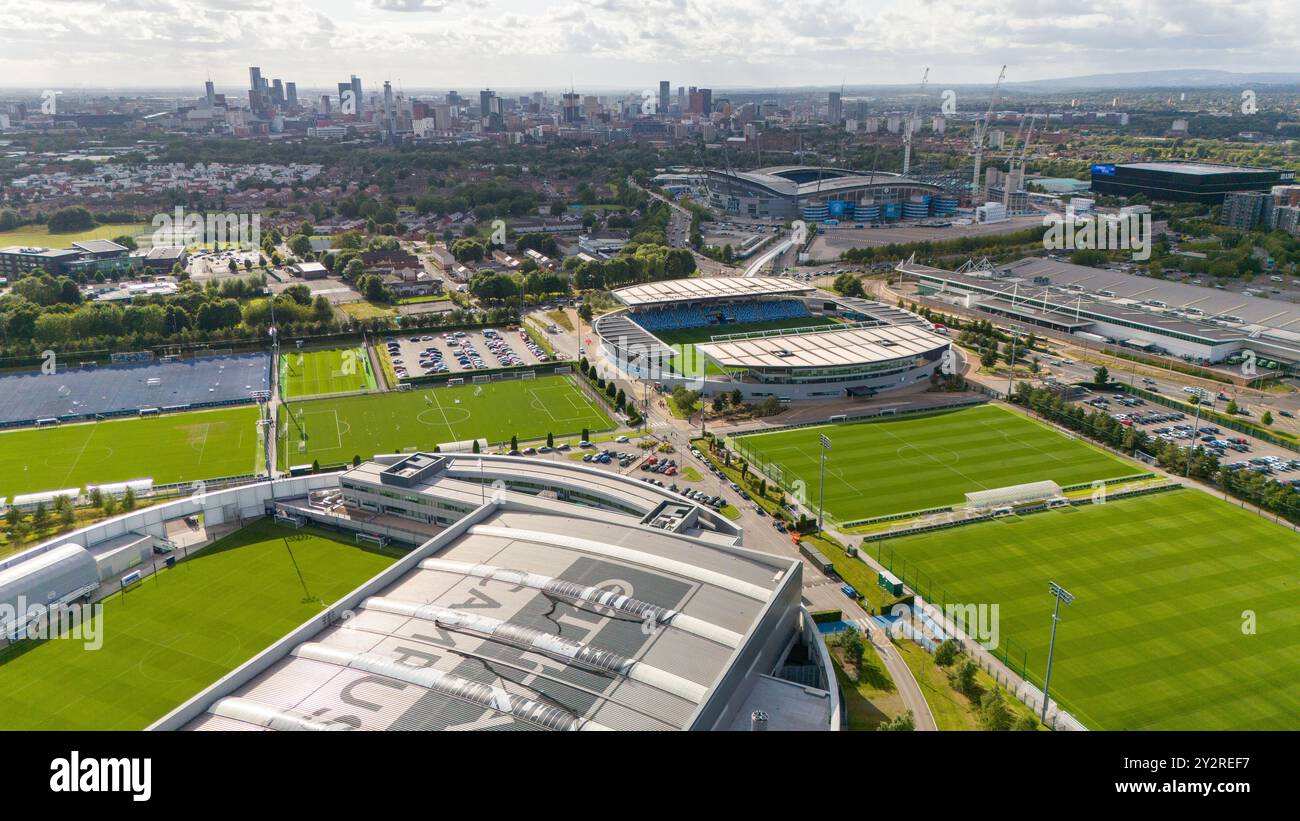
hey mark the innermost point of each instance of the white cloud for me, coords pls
(542, 43)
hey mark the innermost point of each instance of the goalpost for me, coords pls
(371, 538)
(285, 518)
(528, 375)
(482, 380)
(459, 380)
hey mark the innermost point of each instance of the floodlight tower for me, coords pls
(907, 132)
(821, 483)
(1061, 595)
(980, 128)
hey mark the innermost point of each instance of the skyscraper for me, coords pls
(291, 94)
(835, 108)
(356, 92)
(663, 97)
(210, 92)
(255, 79)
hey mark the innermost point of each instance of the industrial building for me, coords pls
(815, 193)
(1187, 321)
(534, 612)
(1183, 181)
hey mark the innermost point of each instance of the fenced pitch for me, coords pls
(319, 373)
(1184, 616)
(929, 460)
(182, 629)
(171, 448)
(332, 431)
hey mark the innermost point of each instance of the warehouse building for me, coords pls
(1183, 181)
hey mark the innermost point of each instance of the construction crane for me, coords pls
(1011, 167)
(980, 128)
(907, 132)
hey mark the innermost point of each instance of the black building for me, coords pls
(1184, 181)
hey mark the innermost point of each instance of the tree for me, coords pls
(128, 500)
(719, 402)
(1026, 723)
(550, 440)
(903, 722)
(848, 285)
(947, 652)
(994, 714)
(1267, 418)
(1101, 376)
(853, 649)
(965, 676)
(737, 397)
(356, 460)
(584, 312)
(514, 442)
(40, 516)
(586, 435)
(476, 447)
(1232, 407)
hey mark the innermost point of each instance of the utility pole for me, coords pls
(1011, 365)
(1062, 595)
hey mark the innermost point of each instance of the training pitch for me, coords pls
(180, 447)
(332, 431)
(930, 460)
(317, 373)
(178, 632)
(1164, 587)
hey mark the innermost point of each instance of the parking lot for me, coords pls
(456, 352)
(1234, 450)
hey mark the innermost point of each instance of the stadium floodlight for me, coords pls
(1061, 595)
(821, 482)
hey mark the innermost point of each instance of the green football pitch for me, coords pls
(180, 447)
(180, 631)
(1164, 590)
(316, 373)
(918, 462)
(684, 340)
(333, 431)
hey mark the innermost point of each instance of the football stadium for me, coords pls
(816, 193)
(766, 336)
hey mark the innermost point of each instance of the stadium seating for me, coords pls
(693, 316)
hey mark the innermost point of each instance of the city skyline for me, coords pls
(614, 44)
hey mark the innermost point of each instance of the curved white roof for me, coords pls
(824, 349)
(697, 289)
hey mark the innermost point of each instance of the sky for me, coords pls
(626, 44)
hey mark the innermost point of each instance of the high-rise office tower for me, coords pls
(210, 92)
(291, 94)
(356, 91)
(835, 108)
(255, 79)
(663, 97)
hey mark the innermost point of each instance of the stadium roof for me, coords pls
(699, 289)
(527, 620)
(805, 180)
(824, 349)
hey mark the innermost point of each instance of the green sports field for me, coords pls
(1162, 583)
(181, 447)
(684, 340)
(316, 373)
(179, 632)
(918, 462)
(332, 431)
